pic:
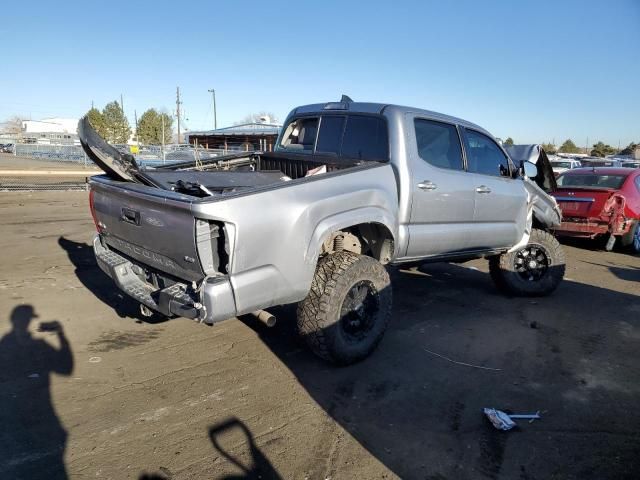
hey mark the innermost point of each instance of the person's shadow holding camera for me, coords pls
(32, 439)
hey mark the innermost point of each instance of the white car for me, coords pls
(561, 166)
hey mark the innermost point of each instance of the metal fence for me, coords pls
(67, 167)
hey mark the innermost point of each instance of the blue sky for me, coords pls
(532, 70)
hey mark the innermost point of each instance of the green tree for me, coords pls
(150, 127)
(629, 149)
(602, 150)
(569, 147)
(550, 148)
(508, 141)
(97, 121)
(116, 125)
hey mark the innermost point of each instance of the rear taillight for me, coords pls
(93, 211)
(615, 204)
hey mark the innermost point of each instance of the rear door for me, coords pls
(442, 194)
(500, 201)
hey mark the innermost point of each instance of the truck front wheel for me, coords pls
(347, 309)
(534, 270)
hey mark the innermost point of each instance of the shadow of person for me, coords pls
(86, 269)
(33, 439)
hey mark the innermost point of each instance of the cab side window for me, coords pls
(439, 144)
(484, 156)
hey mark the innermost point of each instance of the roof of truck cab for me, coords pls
(379, 108)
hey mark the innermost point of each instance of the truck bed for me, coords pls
(232, 174)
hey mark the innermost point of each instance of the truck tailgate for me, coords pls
(154, 230)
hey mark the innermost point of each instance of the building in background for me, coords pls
(51, 131)
(245, 137)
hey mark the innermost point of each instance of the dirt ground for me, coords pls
(104, 394)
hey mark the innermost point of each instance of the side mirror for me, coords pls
(529, 169)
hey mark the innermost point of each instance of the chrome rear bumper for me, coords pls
(214, 302)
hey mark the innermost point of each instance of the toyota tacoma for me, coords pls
(350, 188)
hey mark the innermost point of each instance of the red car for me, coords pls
(600, 201)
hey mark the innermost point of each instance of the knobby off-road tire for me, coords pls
(347, 309)
(534, 270)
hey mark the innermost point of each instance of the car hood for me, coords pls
(535, 154)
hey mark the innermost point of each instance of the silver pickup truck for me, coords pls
(349, 188)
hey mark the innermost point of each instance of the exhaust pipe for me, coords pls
(265, 317)
(145, 311)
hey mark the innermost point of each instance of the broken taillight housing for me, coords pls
(93, 212)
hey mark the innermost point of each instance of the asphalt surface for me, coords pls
(105, 394)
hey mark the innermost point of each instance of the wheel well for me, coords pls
(538, 224)
(371, 239)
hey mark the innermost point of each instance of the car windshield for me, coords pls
(561, 164)
(591, 181)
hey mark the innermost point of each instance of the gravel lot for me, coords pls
(113, 396)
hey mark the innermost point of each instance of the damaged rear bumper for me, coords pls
(212, 303)
(592, 228)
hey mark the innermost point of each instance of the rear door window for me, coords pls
(484, 156)
(438, 144)
(365, 138)
(330, 135)
(300, 135)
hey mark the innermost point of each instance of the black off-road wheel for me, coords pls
(535, 270)
(347, 309)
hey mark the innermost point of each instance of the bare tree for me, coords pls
(260, 117)
(12, 126)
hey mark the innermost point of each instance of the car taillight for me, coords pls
(93, 211)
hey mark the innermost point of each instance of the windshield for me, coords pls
(591, 181)
(561, 164)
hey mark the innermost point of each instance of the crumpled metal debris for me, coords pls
(504, 421)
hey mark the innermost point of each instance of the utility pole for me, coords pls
(163, 157)
(178, 102)
(215, 117)
(121, 103)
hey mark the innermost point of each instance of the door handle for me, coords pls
(130, 216)
(483, 189)
(427, 185)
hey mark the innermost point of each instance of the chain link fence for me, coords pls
(67, 167)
